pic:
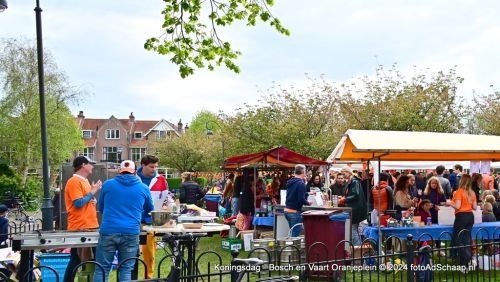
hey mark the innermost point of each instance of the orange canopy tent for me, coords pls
(275, 157)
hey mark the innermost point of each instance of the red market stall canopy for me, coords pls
(363, 145)
(275, 157)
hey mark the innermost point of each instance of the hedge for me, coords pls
(175, 182)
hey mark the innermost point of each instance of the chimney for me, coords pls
(179, 127)
(80, 118)
(186, 128)
(131, 117)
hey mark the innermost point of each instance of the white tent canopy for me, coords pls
(363, 145)
(417, 165)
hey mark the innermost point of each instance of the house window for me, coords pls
(112, 134)
(86, 134)
(89, 152)
(7, 154)
(167, 172)
(137, 154)
(162, 134)
(138, 135)
(111, 154)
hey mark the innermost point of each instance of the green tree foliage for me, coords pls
(29, 193)
(299, 119)
(486, 113)
(205, 120)
(19, 108)
(191, 151)
(390, 101)
(192, 31)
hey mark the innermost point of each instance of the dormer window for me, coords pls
(138, 135)
(162, 134)
(86, 134)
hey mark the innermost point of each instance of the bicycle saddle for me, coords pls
(248, 261)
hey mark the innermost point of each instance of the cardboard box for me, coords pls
(232, 244)
(266, 235)
(242, 233)
(367, 251)
(446, 216)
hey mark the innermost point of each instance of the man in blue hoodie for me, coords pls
(122, 202)
(296, 197)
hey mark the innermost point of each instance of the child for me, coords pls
(424, 210)
(496, 207)
(4, 227)
(488, 215)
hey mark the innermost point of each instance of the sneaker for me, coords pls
(473, 263)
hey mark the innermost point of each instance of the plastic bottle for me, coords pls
(428, 221)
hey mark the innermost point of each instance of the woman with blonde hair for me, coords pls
(434, 192)
(464, 202)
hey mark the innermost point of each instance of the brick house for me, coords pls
(114, 140)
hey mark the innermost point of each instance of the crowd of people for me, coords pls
(420, 193)
(245, 192)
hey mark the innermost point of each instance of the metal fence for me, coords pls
(419, 259)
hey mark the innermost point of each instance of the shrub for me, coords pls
(202, 181)
(174, 183)
(6, 170)
(31, 191)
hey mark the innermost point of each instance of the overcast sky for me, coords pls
(99, 44)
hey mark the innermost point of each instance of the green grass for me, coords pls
(214, 244)
(206, 244)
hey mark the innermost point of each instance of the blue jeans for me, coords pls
(235, 208)
(293, 218)
(126, 245)
(356, 240)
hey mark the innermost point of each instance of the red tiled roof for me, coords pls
(144, 125)
(138, 143)
(90, 142)
(92, 123)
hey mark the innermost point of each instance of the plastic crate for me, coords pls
(232, 244)
(59, 262)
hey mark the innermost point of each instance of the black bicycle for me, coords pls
(16, 212)
(173, 241)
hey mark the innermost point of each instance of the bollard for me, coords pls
(234, 273)
(410, 256)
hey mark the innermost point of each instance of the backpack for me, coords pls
(424, 261)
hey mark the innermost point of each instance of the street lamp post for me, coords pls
(3, 5)
(47, 207)
(210, 132)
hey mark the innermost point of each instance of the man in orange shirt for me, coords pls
(80, 204)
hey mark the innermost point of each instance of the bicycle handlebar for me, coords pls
(189, 236)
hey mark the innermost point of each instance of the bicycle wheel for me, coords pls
(17, 216)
